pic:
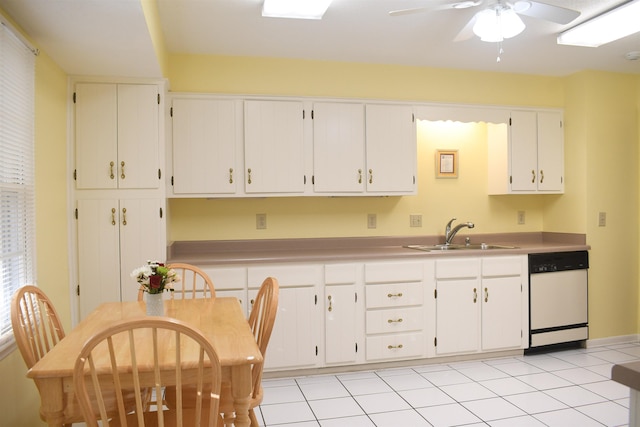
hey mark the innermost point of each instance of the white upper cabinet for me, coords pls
(531, 159)
(391, 152)
(274, 147)
(338, 148)
(206, 136)
(117, 136)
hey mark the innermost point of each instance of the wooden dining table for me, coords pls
(221, 320)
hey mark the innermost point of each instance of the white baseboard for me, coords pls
(621, 339)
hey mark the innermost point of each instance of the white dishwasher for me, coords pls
(558, 304)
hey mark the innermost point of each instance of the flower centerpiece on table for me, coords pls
(155, 277)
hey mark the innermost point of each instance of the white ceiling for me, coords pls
(110, 37)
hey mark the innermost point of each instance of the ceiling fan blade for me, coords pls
(467, 32)
(455, 5)
(557, 14)
(401, 12)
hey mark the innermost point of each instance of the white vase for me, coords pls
(155, 304)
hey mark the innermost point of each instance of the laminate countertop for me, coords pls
(227, 252)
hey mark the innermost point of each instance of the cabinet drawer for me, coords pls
(340, 274)
(457, 268)
(393, 295)
(395, 346)
(395, 320)
(287, 275)
(393, 272)
(227, 278)
(501, 266)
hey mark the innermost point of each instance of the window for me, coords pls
(17, 192)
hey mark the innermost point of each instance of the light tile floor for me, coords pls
(563, 388)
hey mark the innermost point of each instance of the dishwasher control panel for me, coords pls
(558, 261)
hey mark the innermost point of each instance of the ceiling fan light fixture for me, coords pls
(612, 25)
(495, 25)
(308, 9)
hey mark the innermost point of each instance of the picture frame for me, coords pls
(446, 163)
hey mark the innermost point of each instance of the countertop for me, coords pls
(226, 252)
(627, 374)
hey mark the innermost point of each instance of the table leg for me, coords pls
(241, 392)
(51, 401)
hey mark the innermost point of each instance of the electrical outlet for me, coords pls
(372, 221)
(521, 217)
(602, 219)
(415, 220)
(261, 221)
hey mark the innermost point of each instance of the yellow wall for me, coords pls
(20, 400)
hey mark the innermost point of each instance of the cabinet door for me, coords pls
(96, 134)
(274, 147)
(550, 152)
(338, 148)
(294, 339)
(340, 324)
(501, 313)
(138, 136)
(205, 135)
(524, 151)
(391, 151)
(141, 239)
(98, 253)
(117, 136)
(457, 316)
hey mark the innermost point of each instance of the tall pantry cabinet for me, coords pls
(119, 187)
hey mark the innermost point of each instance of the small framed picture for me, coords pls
(446, 163)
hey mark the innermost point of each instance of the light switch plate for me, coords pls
(415, 220)
(261, 221)
(521, 217)
(602, 219)
(372, 221)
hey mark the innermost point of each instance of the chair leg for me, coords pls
(252, 417)
(229, 418)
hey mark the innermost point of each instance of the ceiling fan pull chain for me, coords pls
(500, 51)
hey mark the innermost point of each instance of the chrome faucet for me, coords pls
(449, 233)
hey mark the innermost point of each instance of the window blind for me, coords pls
(17, 189)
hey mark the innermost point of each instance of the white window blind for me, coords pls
(17, 192)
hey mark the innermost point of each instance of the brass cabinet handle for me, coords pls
(230, 175)
(330, 303)
(533, 176)
(124, 216)
(249, 176)
(111, 175)
(541, 176)
(370, 176)
(391, 347)
(359, 176)
(399, 320)
(475, 295)
(122, 169)
(486, 294)
(398, 295)
(113, 216)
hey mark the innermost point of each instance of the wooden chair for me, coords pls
(261, 320)
(36, 324)
(128, 346)
(194, 283)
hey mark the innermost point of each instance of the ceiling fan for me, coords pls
(498, 19)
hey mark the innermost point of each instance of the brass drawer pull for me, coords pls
(391, 347)
(395, 321)
(398, 295)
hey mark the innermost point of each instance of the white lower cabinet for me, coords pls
(394, 313)
(341, 314)
(296, 338)
(481, 304)
(115, 236)
(343, 305)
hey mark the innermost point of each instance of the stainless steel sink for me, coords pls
(452, 247)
